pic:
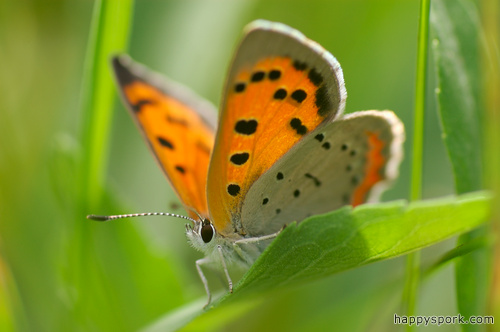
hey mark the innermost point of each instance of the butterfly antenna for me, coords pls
(196, 212)
(132, 215)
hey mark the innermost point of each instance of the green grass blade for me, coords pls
(109, 35)
(490, 14)
(413, 262)
(421, 79)
(114, 267)
(455, 29)
(460, 251)
(454, 25)
(109, 31)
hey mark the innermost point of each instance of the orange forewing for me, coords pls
(178, 135)
(284, 110)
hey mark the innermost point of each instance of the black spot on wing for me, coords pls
(233, 189)
(239, 158)
(316, 181)
(274, 74)
(319, 137)
(138, 106)
(299, 65)
(299, 95)
(180, 169)
(239, 87)
(323, 101)
(280, 94)
(296, 124)
(315, 77)
(257, 76)
(165, 142)
(246, 127)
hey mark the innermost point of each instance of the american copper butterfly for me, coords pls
(281, 151)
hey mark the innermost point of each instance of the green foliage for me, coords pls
(346, 238)
(456, 50)
(108, 35)
(124, 258)
(349, 238)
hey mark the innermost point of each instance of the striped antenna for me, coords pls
(132, 215)
(196, 212)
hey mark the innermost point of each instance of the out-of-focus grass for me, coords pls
(456, 48)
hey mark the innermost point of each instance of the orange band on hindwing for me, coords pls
(375, 161)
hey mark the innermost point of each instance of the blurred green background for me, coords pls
(60, 271)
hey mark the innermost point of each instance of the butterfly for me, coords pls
(280, 152)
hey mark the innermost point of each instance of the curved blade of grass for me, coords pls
(455, 29)
(109, 35)
(460, 251)
(114, 266)
(349, 238)
(215, 321)
(109, 31)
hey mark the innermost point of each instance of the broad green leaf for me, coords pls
(349, 238)
(455, 29)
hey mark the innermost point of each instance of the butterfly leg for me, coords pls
(199, 263)
(258, 238)
(237, 248)
(223, 261)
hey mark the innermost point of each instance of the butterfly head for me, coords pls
(202, 234)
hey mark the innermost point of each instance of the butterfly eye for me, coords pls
(207, 231)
